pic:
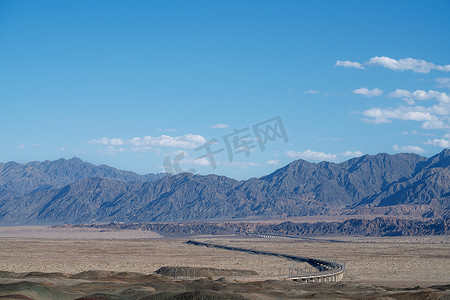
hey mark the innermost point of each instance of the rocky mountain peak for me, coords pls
(77, 191)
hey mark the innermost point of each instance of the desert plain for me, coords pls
(390, 263)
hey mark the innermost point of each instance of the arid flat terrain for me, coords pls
(385, 261)
(391, 262)
(400, 262)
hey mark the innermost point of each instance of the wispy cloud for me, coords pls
(417, 113)
(349, 153)
(311, 155)
(273, 162)
(403, 64)
(61, 149)
(220, 126)
(111, 150)
(368, 93)
(413, 149)
(443, 82)
(349, 64)
(410, 132)
(188, 141)
(415, 65)
(21, 146)
(322, 156)
(198, 161)
(114, 146)
(311, 92)
(168, 129)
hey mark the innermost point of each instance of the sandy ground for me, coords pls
(73, 233)
(137, 255)
(405, 261)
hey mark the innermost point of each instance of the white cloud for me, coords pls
(400, 93)
(188, 141)
(61, 149)
(203, 161)
(273, 162)
(434, 125)
(376, 120)
(433, 117)
(352, 153)
(368, 93)
(412, 132)
(142, 149)
(21, 146)
(220, 126)
(384, 115)
(443, 82)
(413, 149)
(311, 92)
(116, 142)
(415, 65)
(168, 129)
(421, 95)
(322, 156)
(311, 155)
(348, 64)
(185, 158)
(101, 141)
(444, 143)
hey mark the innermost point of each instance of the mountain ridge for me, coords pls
(400, 184)
(21, 179)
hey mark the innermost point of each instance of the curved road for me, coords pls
(327, 271)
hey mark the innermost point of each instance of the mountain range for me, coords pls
(379, 226)
(74, 191)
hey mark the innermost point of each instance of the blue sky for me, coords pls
(132, 83)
